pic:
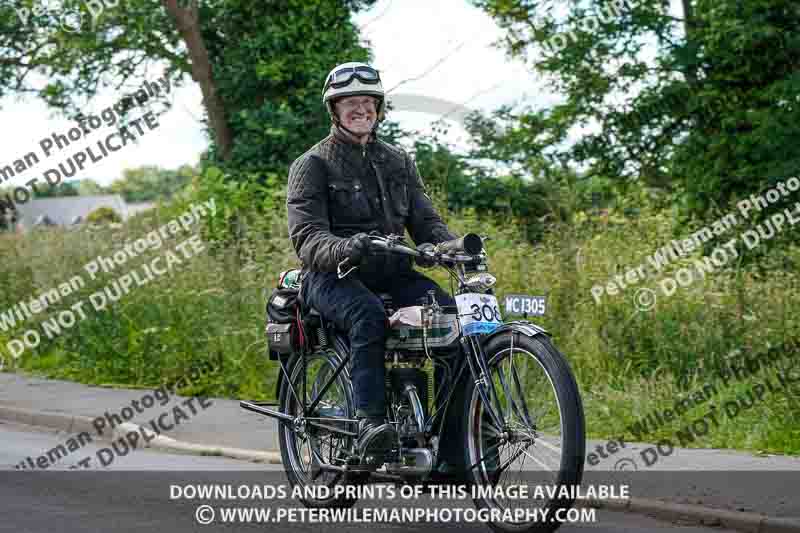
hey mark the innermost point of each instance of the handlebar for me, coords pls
(445, 252)
(470, 243)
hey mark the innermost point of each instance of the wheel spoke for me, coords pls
(490, 430)
(510, 460)
(315, 465)
(515, 376)
(531, 395)
(488, 451)
(514, 484)
(511, 405)
(319, 439)
(509, 397)
(521, 469)
(535, 460)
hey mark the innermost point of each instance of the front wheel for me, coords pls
(542, 442)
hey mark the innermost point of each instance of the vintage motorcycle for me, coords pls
(513, 393)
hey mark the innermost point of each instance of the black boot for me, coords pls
(375, 439)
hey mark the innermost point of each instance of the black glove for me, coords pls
(423, 261)
(356, 248)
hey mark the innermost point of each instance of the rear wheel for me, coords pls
(542, 441)
(308, 444)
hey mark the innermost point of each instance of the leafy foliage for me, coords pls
(150, 183)
(266, 64)
(711, 118)
(103, 215)
(271, 75)
(62, 189)
(497, 191)
(122, 44)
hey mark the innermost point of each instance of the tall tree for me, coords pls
(259, 65)
(701, 102)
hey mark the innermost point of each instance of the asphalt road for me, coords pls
(138, 492)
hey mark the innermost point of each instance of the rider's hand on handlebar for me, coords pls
(423, 260)
(357, 248)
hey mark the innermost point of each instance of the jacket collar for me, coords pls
(342, 136)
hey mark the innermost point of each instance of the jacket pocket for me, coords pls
(348, 201)
(398, 190)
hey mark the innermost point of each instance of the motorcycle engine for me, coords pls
(407, 428)
(416, 458)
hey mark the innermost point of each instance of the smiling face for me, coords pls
(357, 113)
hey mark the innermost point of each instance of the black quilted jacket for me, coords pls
(334, 192)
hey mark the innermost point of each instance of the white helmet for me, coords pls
(351, 79)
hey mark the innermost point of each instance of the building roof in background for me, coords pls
(63, 211)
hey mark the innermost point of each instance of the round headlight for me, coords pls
(481, 282)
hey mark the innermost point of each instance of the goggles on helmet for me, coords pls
(343, 77)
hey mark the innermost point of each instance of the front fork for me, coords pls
(483, 379)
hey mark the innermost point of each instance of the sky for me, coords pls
(446, 45)
(446, 49)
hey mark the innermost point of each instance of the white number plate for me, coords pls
(478, 313)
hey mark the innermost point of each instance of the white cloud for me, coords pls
(415, 35)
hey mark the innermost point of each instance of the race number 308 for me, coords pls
(478, 313)
(485, 312)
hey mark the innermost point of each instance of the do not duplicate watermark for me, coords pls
(721, 256)
(81, 160)
(773, 372)
(613, 9)
(125, 437)
(142, 274)
(69, 19)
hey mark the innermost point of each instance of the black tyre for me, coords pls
(305, 445)
(544, 425)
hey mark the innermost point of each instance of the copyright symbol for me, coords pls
(204, 515)
(644, 299)
(626, 463)
(72, 21)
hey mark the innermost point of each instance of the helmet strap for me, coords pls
(345, 128)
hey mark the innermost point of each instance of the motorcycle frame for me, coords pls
(472, 346)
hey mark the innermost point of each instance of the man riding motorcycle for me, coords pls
(345, 186)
